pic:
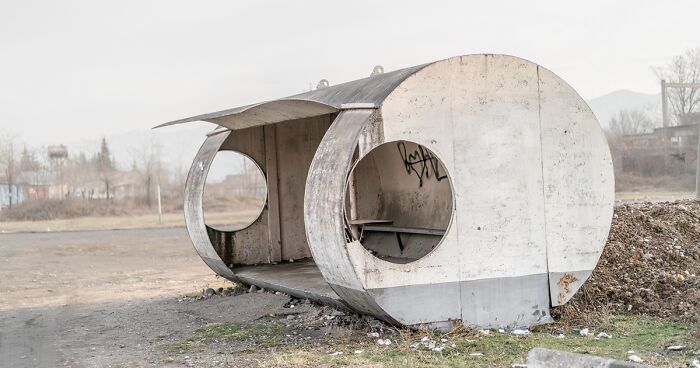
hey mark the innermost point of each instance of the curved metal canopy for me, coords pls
(371, 90)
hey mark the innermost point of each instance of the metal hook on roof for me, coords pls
(323, 83)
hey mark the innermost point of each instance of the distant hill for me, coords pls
(607, 106)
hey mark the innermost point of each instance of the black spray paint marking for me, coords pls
(421, 162)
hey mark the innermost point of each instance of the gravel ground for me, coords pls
(106, 298)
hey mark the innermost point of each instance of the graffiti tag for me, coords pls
(420, 162)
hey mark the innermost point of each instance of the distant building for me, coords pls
(651, 152)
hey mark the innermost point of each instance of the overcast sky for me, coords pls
(82, 69)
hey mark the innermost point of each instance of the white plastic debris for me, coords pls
(476, 354)
(635, 358)
(484, 332)
(336, 353)
(516, 365)
(584, 332)
(675, 347)
(373, 334)
(443, 340)
(695, 363)
(520, 331)
(385, 342)
(358, 351)
(603, 335)
(424, 339)
(439, 349)
(630, 352)
(501, 330)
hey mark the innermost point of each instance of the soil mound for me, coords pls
(650, 266)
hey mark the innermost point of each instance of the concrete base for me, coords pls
(301, 279)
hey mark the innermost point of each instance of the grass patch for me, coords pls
(648, 337)
(265, 335)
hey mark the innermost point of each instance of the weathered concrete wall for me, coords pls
(297, 141)
(283, 152)
(250, 245)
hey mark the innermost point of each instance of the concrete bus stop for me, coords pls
(477, 188)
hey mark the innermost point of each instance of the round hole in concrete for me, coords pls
(398, 201)
(235, 192)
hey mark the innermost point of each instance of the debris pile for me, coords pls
(650, 266)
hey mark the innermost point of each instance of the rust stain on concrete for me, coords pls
(565, 286)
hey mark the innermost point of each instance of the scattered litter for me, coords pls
(584, 332)
(516, 365)
(630, 352)
(520, 331)
(439, 349)
(560, 336)
(484, 332)
(635, 358)
(424, 339)
(603, 335)
(385, 342)
(358, 351)
(675, 348)
(476, 354)
(443, 340)
(373, 334)
(501, 330)
(695, 363)
(336, 353)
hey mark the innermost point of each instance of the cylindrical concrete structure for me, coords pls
(478, 188)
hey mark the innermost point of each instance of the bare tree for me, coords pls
(628, 122)
(147, 163)
(105, 166)
(683, 68)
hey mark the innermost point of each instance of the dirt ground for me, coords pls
(113, 299)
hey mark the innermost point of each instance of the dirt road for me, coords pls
(107, 298)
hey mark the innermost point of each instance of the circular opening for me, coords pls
(235, 192)
(398, 201)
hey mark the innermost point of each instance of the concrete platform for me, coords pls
(301, 279)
